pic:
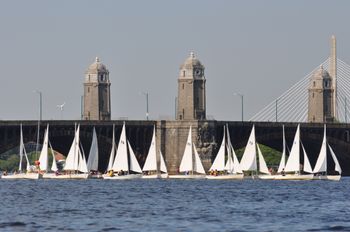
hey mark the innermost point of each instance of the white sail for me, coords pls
(292, 164)
(21, 145)
(111, 156)
(54, 164)
(72, 159)
(162, 163)
(282, 165)
(229, 163)
(134, 164)
(337, 166)
(219, 162)
(321, 163)
(248, 162)
(44, 157)
(151, 160)
(121, 158)
(187, 158)
(82, 161)
(307, 165)
(236, 168)
(92, 163)
(198, 167)
(262, 164)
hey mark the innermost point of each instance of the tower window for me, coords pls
(183, 73)
(313, 95)
(89, 77)
(183, 86)
(88, 90)
(314, 83)
(183, 112)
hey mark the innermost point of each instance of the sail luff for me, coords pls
(44, 159)
(321, 163)
(219, 162)
(20, 150)
(121, 158)
(293, 164)
(307, 165)
(72, 157)
(198, 163)
(236, 168)
(282, 165)
(187, 161)
(151, 160)
(54, 164)
(248, 162)
(134, 164)
(92, 163)
(337, 166)
(112, 154)
(262, 164)
(162, 163)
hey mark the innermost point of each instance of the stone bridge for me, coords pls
(172, 135)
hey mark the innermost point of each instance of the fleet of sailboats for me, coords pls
(230, 170)
(29, 172)
(249, 160)
(123, 163)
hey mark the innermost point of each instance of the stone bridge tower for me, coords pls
(322, 106)
(191, 104)
(97, 97)
(321, 94)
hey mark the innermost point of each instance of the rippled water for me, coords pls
(174, 205)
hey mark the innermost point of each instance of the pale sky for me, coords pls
(257, 48)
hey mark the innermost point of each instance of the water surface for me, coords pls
(174, 205)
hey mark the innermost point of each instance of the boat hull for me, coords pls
(124, 177)
(294, 177)
(328, 177)
(266, 177)
(156, 176)
(29, 176)
(186, 176)
(225, 177)
(66, 176)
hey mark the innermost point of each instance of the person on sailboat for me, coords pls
(283, 172)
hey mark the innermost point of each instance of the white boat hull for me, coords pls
(225, 177)
(66, 176)
(124, 177)
(328, 177)
(294, 177)
(266, 177)
(186, 176)
(30, 176)
(156, 176)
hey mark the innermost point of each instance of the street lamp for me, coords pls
(241, 95)
(40, 103)
(146, 94)
(40, 118)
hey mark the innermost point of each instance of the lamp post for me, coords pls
(146, 94)
(241, 95)
(40, 118)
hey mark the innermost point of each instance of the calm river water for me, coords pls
(174, 205)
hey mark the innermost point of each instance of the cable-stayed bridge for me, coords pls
(292, 105)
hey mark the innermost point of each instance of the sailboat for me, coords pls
(320, 169)
(125, 161)
(150, 166)
(92, 163)
(44, 157)
(249, 159)
(75, 167)
(282, 164)
(293, 163)
(191, 163)
(30, 173)
(232, 169)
